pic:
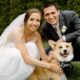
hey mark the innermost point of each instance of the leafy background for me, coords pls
(9, 9)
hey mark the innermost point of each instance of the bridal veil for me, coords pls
(18, 22)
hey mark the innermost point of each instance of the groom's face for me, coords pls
(51, 15)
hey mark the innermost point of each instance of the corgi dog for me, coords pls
(62, 51)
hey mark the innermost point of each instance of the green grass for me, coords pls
(75, 75)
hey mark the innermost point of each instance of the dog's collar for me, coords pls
(64, 64)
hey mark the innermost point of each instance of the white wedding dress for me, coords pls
(12, 66)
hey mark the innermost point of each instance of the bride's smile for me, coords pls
(33, 22)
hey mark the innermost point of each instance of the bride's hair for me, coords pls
(17, 22)
(29, 12)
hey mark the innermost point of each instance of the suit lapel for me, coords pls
(61, 23)
(52, 32)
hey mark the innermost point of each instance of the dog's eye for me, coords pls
(60, 47)
(67, 46)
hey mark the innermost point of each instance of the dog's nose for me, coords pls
(65, 50)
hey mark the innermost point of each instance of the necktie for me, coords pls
(56, 28)
(58, 32)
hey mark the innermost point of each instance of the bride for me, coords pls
(21, 48)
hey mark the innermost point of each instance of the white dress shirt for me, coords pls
(59, 32)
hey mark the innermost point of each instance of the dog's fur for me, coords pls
(61, 52)
(43, 74)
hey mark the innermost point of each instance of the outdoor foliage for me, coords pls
(9, 9)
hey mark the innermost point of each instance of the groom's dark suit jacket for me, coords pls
(70, 20)
(67, 18)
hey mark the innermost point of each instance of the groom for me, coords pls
(61, 26)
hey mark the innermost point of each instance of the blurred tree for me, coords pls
(74, 5)
(9, 9)
(4, 9)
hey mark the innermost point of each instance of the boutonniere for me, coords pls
(64, 28)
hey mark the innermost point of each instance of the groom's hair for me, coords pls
(48, 4)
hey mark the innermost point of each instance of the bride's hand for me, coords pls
(55, 66)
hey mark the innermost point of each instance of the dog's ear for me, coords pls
(52, 43)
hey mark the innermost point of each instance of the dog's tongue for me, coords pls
(64, 55)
